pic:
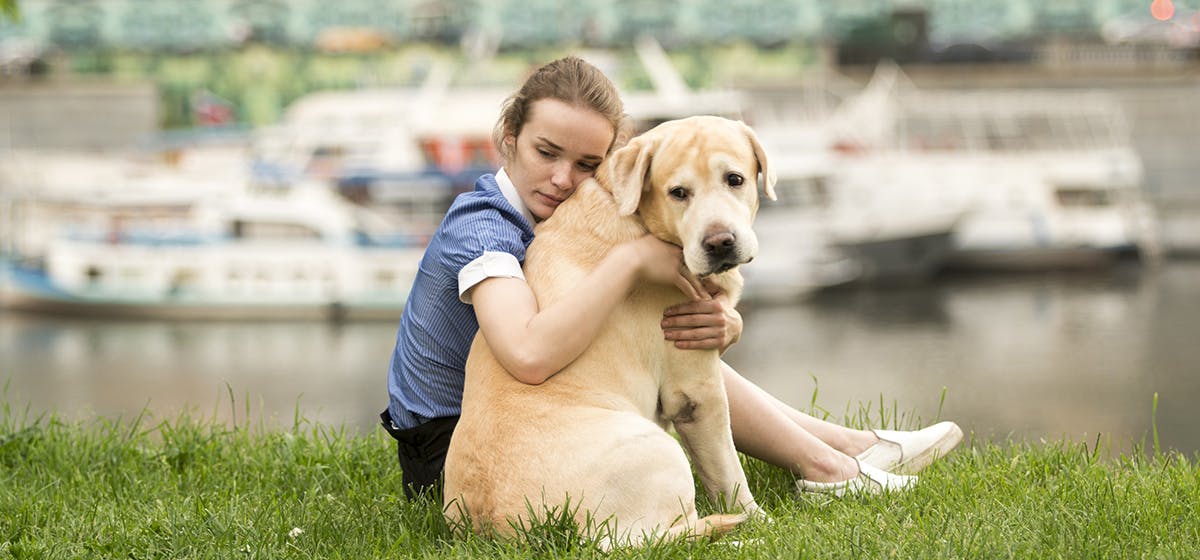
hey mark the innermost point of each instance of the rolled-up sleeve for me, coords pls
(492, 264)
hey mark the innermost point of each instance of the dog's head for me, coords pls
(694, 183)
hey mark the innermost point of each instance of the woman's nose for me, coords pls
(562, 176)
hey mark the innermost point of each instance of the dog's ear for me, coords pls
(768, 174)
(629, 173)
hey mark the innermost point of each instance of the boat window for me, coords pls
(799, 193)
(1082, 197)
(328, 151)
(326, 161)
(272, 231)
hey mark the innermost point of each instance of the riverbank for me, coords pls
(195, 488)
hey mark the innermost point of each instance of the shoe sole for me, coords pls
(939, 449)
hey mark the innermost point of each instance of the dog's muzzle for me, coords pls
(722, 251)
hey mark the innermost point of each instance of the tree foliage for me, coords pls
(9, 9)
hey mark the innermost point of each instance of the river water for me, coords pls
(1031, 357)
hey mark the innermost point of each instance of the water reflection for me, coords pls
(1031, 356)
(333, 373)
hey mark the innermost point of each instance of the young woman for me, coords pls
(553, 134)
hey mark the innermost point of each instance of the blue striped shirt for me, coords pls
(484, 234)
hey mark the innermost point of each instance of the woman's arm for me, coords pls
(533, 344)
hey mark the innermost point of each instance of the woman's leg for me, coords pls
(847, 440)
(768, 429)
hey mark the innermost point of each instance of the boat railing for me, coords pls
(1010, 121)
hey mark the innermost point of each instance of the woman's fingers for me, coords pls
(689, 289)
(694, 333)
(693, 320)
(697, 291)
(707, 338)
(702, 307)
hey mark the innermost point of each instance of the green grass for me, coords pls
(196, 488)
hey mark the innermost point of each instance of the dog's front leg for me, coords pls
(694, 399)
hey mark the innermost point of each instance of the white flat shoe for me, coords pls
(870, 480)
(909, 452)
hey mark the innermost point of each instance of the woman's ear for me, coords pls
(629, 173)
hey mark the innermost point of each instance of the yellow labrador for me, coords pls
(591, 440)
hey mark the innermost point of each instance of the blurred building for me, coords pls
(939, 28)
(214, 61)
(91, 116)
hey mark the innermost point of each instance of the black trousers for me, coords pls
(422, 454)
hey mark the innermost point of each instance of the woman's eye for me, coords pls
(588, 167)
(735, 180)
(546, 154)
(678, 193)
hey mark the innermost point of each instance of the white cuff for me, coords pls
(492, 264)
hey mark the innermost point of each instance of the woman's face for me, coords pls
(559, 147)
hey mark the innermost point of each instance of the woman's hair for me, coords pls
(571, 80)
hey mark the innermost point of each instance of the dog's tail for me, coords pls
(710, 527)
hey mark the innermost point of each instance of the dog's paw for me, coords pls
(758, 514)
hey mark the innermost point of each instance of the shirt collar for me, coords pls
(510, 194)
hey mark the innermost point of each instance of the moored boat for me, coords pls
(1049, 178)
(305, 252)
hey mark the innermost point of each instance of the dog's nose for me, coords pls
(720, 245)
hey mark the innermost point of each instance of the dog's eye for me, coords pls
(679, 193)
(735, 180)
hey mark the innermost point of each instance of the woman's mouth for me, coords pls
(550, 200)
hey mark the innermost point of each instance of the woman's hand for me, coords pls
(705, 324)
(660, 262)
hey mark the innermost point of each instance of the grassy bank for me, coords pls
(189, 488)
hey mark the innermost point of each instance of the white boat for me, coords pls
(1048, 178)
(304, 252)
(404, 152)
(48, 194)
(794, 258)
(426, 135)
(831, 226)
